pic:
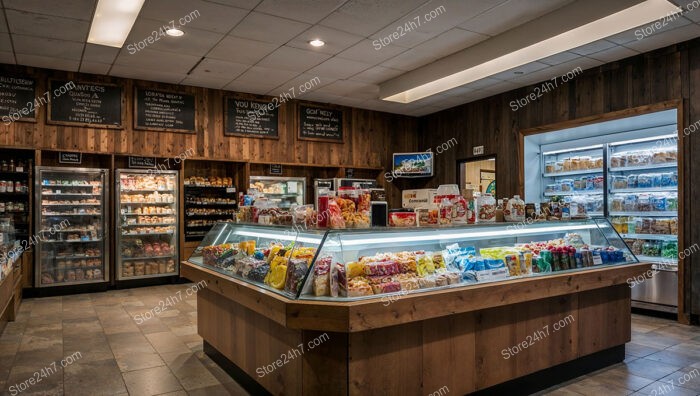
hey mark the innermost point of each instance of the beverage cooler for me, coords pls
(146, 224)
(71, 231)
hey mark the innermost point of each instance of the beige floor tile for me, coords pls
(189, 370)
(93, 378)
(151, 381)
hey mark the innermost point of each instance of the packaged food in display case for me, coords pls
(486, 208)
(515, 209)
(352, 264)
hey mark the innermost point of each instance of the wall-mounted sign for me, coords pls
(275, 169)
(478, 150)
(250, 118)
(320, 124)
(164, 111)
(86, 104)
(70, 158)
(349, 173)
(413, 164)
(17, 99)
(142, 162)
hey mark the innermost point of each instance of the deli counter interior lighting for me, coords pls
(642, 140)
(597, 146)
(283, 237)
(113, 21)
(629, 18)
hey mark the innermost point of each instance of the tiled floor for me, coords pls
(163, 355)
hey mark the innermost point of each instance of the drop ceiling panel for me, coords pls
(217, 69)
(351, 88)
(3, 22)
(364, 51)
(268, 28)
(100, 53)
(336, 40)
(293, 59)
(39, 25)
(203, 15)
(207, 82)
(150, 59)
(7, 57)
(377, 74)
(411, 59)
(239, 50)
(301, 85)
(524, 69)
(75, 9)
(451, 41)
(5, 43)
(259, 88)
(511, 14)
(339, 68)
(94, 67)
(593, 47)
(195, 42)
(559, 58)
(363, 17)
(309, 11)
(447, 14)
(47, 62)
(613, 54)
(245, 4)
(146, 74)
(663, 39)
(44, 47)
(266, 76)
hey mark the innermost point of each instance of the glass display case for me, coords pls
(576, 175)
(282, 191)
(71, 226)
(355, 264)
(147, 224)
(9, 246)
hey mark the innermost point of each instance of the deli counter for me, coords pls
(445, 305)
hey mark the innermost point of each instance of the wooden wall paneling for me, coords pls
(325, 367)
(692, 143)
(603, 319)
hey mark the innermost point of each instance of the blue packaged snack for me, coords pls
(658, 203)
(259, 255)
(604, 256)
(632, 181)
(479, 264)
(657, 180)
(494, 263)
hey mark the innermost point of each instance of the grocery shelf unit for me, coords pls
(71, 223)
(147, 227)
(356, 344)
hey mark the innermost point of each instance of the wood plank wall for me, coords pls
(671, 73)
(372, 136)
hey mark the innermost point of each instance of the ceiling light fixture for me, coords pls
(174, 32)
(113, 21)
(317, 43)
(626, 19)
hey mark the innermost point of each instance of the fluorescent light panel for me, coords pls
(618, 22)
(113, 21)
(597, 146)
(642, 140)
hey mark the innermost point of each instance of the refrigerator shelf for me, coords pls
(148, 224)
(651, 237)
(646, 214)
(72, 194)
(643, 167)
(77, 257)
(74, 241)
(72, 204)
(147, 203)
(657, 260)
(71, 214)
(147, 191)
(643, 190)
(212, 203)
(147, 233)
(70, 185)
(572, 193)
(573, 173)
(148, 257)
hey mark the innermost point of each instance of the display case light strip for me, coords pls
(642, 140)
(283, 237)
(597, 146)
(466, 235)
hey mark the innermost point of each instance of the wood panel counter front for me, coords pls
(466, 338)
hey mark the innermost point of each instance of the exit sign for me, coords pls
(478, 150)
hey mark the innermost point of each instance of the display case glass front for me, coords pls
(356, 264)
(283, 191)
(147, 224)
(71, 229)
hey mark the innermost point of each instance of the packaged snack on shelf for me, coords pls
(402, 218)
(304, 216)
(515, 209)
(486, 209)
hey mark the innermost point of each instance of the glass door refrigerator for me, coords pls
(71, 226)
(284, 191)
(147, 224)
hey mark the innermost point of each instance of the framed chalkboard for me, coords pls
(142, 162)
(67, 157)
(17, 99)
(87, 104)
(251, 118)
(320, 124)
(157, 110)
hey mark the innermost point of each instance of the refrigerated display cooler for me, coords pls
(147, 224)
(71, 226)
(284, 191)
(335, 183)
(627, 171)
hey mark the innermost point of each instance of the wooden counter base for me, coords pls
(465, 351)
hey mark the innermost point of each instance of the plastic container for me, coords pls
(515, 209)
(486, 209)
(445, 212)
(402, 218)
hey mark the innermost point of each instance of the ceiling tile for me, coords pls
(21, 22)
(149, 33)
(335, 40)
(322, 97)
(625, 37)
(239, 50)
(47, 47)
(7, 58)
(309, 11)
(503, 86)
(94, 67)
(524, 69)
(301, 85)
(446, 14)
(348, 101)
(217, 69)
(559, 58)
(663, 39)
(3, 24)
(410, 59)
(430, 100)
(613, 54)
(377, 74)
(99, 53)
(293, 59)
(365, 52)
(207, 82)
(146, 74)
(197, 14)
(460, 91)
(451, 41)
(339, 68)
(47, 62)
(693, 15)
(268, 28)
(402, 33)
(511, 14)
(5, 43)
(266, 76)
(426, 110)
(352, 88)
(363, 16)
(245, 4)
(76, 9)
(249, 87)
(157, 60)
(593, 47)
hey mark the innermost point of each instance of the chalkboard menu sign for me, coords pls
(17, 96)
(250, 118)
(319, 123)
(276, 169)
(87, 104)
(65, 157)
(142, 162)
(164, 111)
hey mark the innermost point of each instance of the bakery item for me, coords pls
(296, 271)
(322, 276)
(428, 281)
(358, 287)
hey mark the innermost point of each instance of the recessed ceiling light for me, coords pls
(412, 87)
(113, 21)
(317, 43)
(174, 32)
